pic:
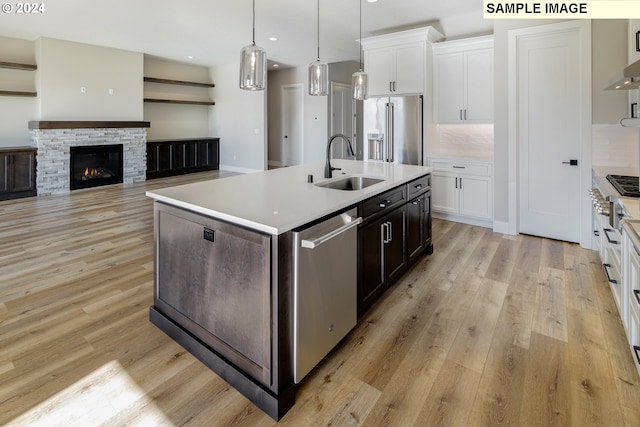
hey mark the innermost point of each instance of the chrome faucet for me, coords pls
(328, 169)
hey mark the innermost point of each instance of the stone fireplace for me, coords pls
(55, 139)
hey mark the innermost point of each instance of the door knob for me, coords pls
(572, 162)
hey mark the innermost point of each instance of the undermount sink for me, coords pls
(350, 183)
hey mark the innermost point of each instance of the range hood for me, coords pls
(628, 79)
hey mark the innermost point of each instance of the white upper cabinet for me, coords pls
(396, 63)
(463, 81)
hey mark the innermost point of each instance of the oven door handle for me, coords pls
(606, 233)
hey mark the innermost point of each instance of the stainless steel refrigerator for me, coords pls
(393, 129)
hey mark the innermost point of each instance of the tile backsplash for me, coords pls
(614, 145)
(465, 140)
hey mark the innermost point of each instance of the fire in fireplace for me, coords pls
(95, 165)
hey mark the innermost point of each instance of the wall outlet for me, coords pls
(83, 89)
(110, 91)
(234, 158)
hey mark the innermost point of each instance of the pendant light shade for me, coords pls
(253, 63)
(318, 71)
(359, 83)
(359, 80)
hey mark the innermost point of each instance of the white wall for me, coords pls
(239, 120)
(316, 110)
(315, 120)
(16, 112)
(176, 120)
(64, 67)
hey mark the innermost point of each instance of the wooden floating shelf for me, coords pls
(66, 124)
(17, 93)
(175, 101)
(18, 66)
(177, 82)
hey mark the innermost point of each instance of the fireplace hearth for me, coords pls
(95, 165)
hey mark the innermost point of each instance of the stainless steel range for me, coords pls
(626, 185)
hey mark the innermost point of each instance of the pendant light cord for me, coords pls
(360, 1)
(318, 30)
(254, 22)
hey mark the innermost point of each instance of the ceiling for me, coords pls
(214, 31)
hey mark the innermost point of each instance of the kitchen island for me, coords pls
(224, 261)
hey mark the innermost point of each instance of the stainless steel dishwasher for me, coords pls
(324, 288)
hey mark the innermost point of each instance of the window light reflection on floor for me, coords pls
(103, 397)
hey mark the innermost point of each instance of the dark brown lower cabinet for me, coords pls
(419, 226)
(17, 172)
(394, 235)
(219, 295)
(181, 156)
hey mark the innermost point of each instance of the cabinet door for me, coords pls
(395, 255)
(475, 196)
(160, 158)
(444, 188)
(186, 155)
(24, 177)
(5, 178)
(426, 222)
(371, 279)
(214, 279)
(448, 88)
(409, 69)
(379, 67)
(415, 227)
(479, 86)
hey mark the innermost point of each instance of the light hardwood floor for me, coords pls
(490, 330)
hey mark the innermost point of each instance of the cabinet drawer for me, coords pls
(464, 168)
(418, 185)
(383, 202)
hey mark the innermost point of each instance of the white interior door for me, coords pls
(549, 114)
(341, 117)
(292, 124)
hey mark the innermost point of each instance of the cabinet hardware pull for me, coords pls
(384, 204)
(636, 293)
(394, 86)
(606, 271)
(465, 114)
(390, 231)
(459, 167)
(209, 234)
(417, 187)
(636, 350)
(596, 233)
(456, 182)
(461, 183)
(606, 233)
(390, 86)
(416, 202)
(461, 114)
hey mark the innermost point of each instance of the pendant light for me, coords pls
(253, 63)
(359, 78)
(318, 71)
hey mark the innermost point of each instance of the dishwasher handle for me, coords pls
(314, 243)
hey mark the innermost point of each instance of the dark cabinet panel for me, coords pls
(394, 234)
(214, 279)
(17, 173)
(371, 278)
(176, 157)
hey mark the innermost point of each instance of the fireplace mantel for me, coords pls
(63, 124)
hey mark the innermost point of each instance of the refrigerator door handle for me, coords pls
(391, 130)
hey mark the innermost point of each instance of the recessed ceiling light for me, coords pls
(275, 65)
(372, 1)
(190, 56)
(273, 39)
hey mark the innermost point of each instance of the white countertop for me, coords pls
(280, 200)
